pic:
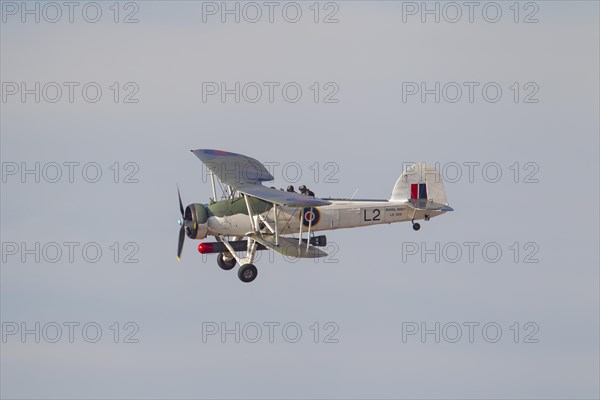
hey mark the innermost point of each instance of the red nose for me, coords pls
(205, 248)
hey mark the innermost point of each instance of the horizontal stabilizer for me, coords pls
(289, 247)
(424, 204)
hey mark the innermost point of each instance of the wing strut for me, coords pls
(214, 187)
(276, 228)
(301, 223)
(250, 213)
(309, 226)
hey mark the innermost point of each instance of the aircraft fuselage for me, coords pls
(230, 217)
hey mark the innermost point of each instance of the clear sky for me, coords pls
(518, 95)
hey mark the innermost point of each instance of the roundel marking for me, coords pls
(308, 216)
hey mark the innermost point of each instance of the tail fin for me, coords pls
(419, 182)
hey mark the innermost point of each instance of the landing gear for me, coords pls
(226, 265)
(416, 226)
(247, 273)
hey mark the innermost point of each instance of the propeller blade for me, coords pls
(180, 244)
(180, 203)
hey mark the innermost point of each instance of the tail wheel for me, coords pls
(247, 273)
(226, 265)
(416, 226)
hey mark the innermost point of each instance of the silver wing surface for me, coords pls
(279, 196)
(245, 175)
(232, 168)
(289, 247)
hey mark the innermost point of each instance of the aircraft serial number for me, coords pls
(374, 215)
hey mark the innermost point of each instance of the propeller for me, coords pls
(180, 244)
(182, 224)
(180, 203)
(188, 223)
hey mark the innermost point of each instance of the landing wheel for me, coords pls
(247, 273)
(226, 265)
(416, 226)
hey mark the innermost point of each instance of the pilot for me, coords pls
(305, 191)
(291, 189)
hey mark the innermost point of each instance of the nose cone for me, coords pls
(180, 221)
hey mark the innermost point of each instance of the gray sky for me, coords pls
(374, 286)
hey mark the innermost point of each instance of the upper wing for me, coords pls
(233, 169)
(279, 197)
(245, 175)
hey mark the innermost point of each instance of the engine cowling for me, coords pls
(198, 214)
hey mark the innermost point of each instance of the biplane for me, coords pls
(251, 217)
